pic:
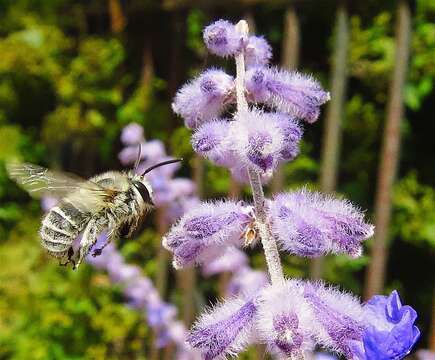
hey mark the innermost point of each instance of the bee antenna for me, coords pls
(161, 164)
(139, 153)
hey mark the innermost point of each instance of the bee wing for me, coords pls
(39, 181)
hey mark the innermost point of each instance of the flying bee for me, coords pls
(113, 201)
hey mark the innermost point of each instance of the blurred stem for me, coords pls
(117, 19)
(186, 280)
(334, 117)
(389, 155)
(267, 240)
(290, 59)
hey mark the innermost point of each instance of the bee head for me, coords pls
(144, 188)
(144, 192)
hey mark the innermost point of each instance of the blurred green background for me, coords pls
(73, 73)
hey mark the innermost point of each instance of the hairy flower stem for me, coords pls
(269, 245)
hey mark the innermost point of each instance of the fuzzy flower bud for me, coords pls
(284, 320)
(338, 318)
(257, 51)
(311, 224)
(225, 330)
(222, 38)
(132, 134)
(205, 231)
(204, 98)
(211, 141)
(296, 94)
(257, 139)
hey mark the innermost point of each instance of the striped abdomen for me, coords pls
(60, 227)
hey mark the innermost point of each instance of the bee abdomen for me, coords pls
(60, 228)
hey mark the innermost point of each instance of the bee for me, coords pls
(113, 201)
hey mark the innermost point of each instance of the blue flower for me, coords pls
(391, 332)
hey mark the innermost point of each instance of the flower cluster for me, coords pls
(254, 137)
(304, 223)
(293, 317)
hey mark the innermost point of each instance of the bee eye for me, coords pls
(143, 191)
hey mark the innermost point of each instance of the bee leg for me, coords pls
(89, 238)
(110, 237)
(69, 259)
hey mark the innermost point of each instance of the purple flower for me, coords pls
(231, 260)
(338, 318)
(247, 282)
(124, 273)
(128, 155)
(312, 224)
(257, 139)
(182, 187)
(391, 332)
(132, 134)
(107, 258)
(222, 38)
(204, 98)
(159, 314)
(292, 133)
(257, 51)
(225, 330)
(293, 93)
(179, 206)
(284, 320)
(211, 141)
(138, 292)
(205, 231)
(153, 151)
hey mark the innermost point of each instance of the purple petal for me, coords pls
(225, 330)
(257, 51)
(390, 333)
(204, 98)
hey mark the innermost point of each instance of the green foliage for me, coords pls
(50, 312)
(414, 211)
